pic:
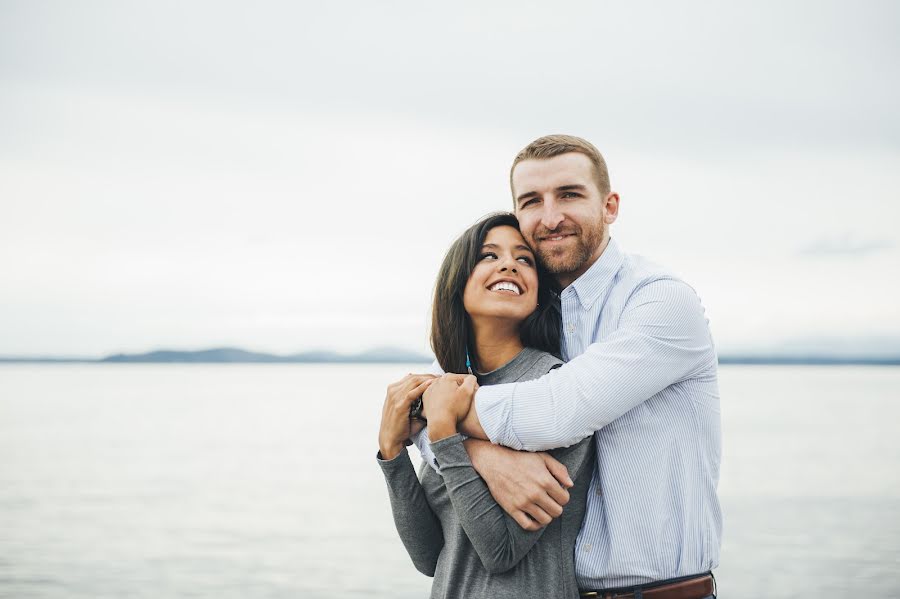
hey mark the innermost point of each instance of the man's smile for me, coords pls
(554, 238)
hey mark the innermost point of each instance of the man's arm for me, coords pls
(530, 486)
(662, 338)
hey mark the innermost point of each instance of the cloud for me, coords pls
(610, 71)
(847, 246)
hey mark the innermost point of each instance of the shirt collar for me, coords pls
(599, 277)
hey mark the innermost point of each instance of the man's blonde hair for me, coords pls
(551, 146)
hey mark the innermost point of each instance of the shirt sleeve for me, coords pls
(421, 438)
(662, 338)
(418, 526)
(497, 538)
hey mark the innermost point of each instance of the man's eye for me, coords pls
(531, 202)
(570, 194)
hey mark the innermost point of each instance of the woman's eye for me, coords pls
(525, 260)
(487, 255)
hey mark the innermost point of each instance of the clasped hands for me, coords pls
(446, 400)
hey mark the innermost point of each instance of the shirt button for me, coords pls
(586, 548)
(599, 492)
(571, 328)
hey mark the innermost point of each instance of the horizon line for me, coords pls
(387, 354)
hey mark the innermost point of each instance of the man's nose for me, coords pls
(551, 217)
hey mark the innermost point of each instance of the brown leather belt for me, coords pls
(695, 588)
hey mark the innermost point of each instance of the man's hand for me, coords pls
(530, 487)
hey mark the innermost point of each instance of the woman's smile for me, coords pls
(506, 287)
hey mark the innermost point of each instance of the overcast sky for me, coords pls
(287, 176)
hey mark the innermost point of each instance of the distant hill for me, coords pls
(237, 355)
(222, 354)
(806, 360)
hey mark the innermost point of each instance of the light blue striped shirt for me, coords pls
(641, 374)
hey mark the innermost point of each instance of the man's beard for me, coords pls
(565, 260)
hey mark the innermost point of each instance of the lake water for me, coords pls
(259, 481)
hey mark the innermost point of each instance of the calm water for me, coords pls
(260, 482)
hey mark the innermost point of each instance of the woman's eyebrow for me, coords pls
(518, 247)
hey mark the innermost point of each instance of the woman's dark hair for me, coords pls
(451, 328)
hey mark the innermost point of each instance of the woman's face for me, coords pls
(504, 283)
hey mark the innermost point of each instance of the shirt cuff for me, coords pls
(493, 404)
(397, 457)
(450, 451)
(423, 443)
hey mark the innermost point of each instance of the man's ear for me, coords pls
(611, 203)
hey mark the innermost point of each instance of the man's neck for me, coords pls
(567, 278)
(496, 343)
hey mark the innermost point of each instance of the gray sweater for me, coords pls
(454, 530)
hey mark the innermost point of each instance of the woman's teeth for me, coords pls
(506, 286)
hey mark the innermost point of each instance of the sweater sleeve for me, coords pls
(418, 526)
(497, 538)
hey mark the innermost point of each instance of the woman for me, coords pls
(496, 314)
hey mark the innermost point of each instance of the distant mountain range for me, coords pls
(807, 360)
(390, 355)
(234, 355)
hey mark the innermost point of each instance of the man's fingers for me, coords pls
(524, 521)
(557, 494)
(550, 504)
(559, 472)
(539, 515)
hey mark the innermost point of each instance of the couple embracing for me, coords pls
(571, 439)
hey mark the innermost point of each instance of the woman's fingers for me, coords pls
(410, 380)
(417, 392)
(414, 380)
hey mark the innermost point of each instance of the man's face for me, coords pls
(562, 214)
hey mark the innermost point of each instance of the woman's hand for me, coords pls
(396, 427)
(447, 401)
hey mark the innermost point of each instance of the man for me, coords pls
(641, 375)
